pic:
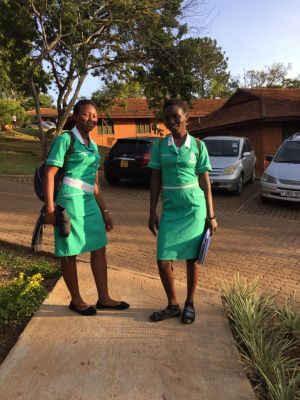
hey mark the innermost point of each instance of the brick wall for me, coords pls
(122, 128)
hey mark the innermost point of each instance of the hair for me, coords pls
(83, 102)
(175, 102)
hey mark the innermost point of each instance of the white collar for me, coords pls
(78, 135)
(187, 142)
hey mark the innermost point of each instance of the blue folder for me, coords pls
(204, 246)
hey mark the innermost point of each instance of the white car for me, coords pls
(281, 179)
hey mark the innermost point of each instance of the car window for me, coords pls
(223, 148)
(289, 153)
(131, 147)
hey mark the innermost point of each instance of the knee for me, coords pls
(164, 264)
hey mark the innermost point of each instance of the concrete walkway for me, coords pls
(122, 355)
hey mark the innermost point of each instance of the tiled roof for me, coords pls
(252, 104)
(138, 108)
(45, 112)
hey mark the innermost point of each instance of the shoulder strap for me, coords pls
(198, 145)
(160, 143)
(70, 149)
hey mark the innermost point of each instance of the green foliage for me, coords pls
(29, 265)
(117, 92)
(263, 339)
(290, 319)
(20, 299)
(9, 107)
(45, 101)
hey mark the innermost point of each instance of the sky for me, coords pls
(253, 33)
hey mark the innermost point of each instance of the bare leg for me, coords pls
(99, 268)
(192, 272)
(167, 278)
(69, 272)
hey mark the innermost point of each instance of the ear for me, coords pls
(186, 116)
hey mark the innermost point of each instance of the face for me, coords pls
(86, 119)
(175, 119)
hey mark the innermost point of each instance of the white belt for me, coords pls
(77, 183)
(181, 187)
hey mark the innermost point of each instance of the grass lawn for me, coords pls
(20, 152)
(28, 131)
(12, 163)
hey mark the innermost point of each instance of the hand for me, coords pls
(108, 222)
(153, 223)
(50, 217)
(213, 225)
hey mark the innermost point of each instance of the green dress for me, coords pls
(87, 225)
(184, 212)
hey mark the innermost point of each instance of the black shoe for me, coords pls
(86, 311)
(122, 306)
(188, 314)
(172, 311)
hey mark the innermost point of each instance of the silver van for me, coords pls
(233, 162)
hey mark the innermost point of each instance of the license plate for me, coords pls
(124, 163)
(288, 193)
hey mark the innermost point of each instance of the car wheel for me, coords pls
(112, 181)
(239, 188)
(252, 179)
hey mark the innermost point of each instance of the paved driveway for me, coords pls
(254, 239)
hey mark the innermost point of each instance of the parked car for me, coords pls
(281, 179)
(233, 162)
(45, 125)
(128, 158)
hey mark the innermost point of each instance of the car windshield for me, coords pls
(131, 147)
(223, 148)
(289, 153)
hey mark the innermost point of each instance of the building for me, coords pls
(47, 114)
(133, 117)
(265, 116)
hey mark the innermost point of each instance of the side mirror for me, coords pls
(269, 158)
(246, 154)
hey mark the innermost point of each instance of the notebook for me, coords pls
(204, 246)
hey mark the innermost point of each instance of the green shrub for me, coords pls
(9, 107)
(20, 299)
(29, 265)
(264, 336)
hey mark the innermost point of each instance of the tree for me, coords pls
(105, 37)
(274, 75)
(208, 65)
(9, 108)
(45, 100)
(117, 91)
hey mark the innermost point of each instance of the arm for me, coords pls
(100, 200)
(204, 183)
(155, 186)
(48, 189)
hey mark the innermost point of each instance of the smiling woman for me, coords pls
(81, 197)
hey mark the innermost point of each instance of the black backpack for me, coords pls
(39, 173)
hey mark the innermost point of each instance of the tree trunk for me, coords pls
(41, 133)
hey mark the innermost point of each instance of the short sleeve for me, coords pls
(58, 149)
(154, 162)
(203, 163)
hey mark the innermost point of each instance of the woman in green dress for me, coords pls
(81, 196)
(180, 165)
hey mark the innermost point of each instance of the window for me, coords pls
(143, 126)
(222, 148)
(105, 126)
